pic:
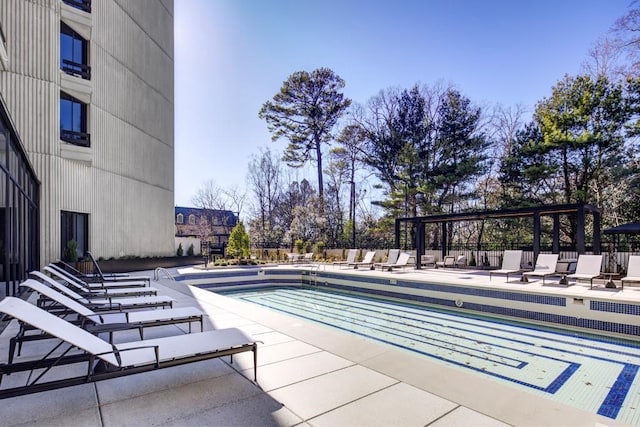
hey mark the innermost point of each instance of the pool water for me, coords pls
(594, 374)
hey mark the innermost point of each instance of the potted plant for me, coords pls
(70, 253)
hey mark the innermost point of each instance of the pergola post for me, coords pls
(444, 239)
(536, 235)
(556, 234)
(397, 233)
(581, 247)
(419, 243)
(596, 233)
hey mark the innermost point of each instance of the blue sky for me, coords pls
(233, 55)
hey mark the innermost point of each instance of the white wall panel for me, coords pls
(127, 186)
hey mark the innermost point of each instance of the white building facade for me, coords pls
(89, 86)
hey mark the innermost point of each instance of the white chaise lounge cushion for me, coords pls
(588, 267)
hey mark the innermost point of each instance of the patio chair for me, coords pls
(452, 261)
(293, 257)
(633, 270)
(510, 264)
(588, 268)
(84, 288)
(545, 266)
(426, 260)
(105, 360)
(401, 262)
(351, 258)
(105, 302)
(392, 257)
(97, 323)
(367, 260)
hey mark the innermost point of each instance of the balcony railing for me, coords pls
(76, 69)
(76, 138)
(80, 4)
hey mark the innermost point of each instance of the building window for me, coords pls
(74, 53)
(84, 5)
(180, 219)
(203, 220)
(192, 219)
(74, 226)
(73, 121)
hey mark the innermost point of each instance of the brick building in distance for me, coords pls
(211, 226)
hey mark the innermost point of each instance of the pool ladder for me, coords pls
(313, 271)
(158, 270)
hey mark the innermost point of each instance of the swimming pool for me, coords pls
(594, 374)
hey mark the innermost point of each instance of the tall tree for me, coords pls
(296, 194)
(305, 112)
(265, 177)
(461, 146)
(583, 122)
(625, 40)
(350, 156)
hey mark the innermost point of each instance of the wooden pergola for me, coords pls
(578, 210)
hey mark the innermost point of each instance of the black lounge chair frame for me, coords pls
(98, 369)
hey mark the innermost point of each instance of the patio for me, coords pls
(307, 374)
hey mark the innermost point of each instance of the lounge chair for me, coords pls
(401, 262)
(123, 277)
(351, 258)
(426, 260)
(510, 264)
(633, 270)
(112, 322)
(93, 282)
(105, 360)
(63, 274)
(545, 266)
(392, 257)
(588, 268)
(367, 260)
(452, 261)
(106, 303)
(85, 289)
(293, 257)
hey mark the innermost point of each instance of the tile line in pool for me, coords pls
(597, 372)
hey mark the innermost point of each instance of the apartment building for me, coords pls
(87, 93)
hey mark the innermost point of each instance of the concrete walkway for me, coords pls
(308, 374)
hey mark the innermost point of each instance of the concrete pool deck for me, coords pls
(308, 374)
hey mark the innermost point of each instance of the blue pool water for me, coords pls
(592, 373)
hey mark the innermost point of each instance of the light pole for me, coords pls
(352, 213)
(406, 214)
